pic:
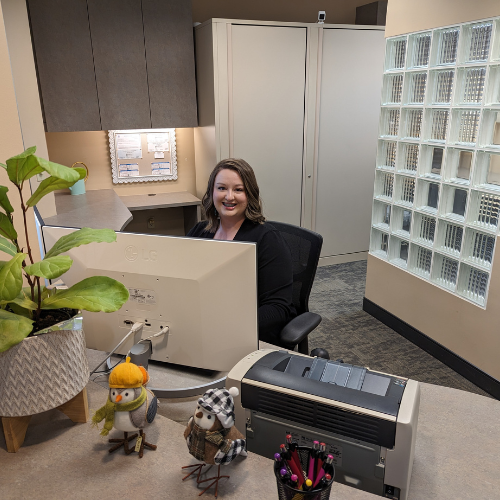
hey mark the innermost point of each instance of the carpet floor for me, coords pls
(348, 333)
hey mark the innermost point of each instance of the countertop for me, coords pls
(103, 208)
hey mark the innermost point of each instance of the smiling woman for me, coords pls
(233, 210)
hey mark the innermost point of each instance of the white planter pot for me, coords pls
(44, 371)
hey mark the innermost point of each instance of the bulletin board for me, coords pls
(144, 155)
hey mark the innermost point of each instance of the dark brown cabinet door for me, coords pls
(120, 63)
(168, 34)
(63, 54)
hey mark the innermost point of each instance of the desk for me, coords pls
(180, 205)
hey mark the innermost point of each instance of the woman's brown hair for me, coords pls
(253, 211)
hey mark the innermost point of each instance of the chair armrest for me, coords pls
(299, 328)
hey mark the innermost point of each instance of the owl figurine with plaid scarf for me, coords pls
(211, 435)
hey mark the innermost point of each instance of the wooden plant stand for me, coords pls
(14, 428)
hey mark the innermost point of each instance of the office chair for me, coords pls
(305, 247)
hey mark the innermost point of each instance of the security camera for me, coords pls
(321, 16)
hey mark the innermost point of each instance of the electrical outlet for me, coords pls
(151, 223)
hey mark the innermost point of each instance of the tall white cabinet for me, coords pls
(300, 103)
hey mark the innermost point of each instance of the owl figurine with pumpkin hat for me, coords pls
(130, 407)
(211, 435)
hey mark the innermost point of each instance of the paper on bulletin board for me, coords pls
(128, 146)
(161, 168)
(128, 170)
(159, 155)
(159, 141)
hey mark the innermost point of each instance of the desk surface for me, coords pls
(103, 208)
(456, 456)
(159, 200)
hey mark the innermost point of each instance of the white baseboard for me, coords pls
(341, 259)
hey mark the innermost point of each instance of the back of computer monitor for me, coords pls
(205, 291)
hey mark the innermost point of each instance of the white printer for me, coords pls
(367, 419)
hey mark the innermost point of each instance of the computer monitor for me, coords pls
(205, 291)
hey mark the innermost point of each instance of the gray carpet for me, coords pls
(347, 332)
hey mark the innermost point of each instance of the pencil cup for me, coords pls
(286, 492)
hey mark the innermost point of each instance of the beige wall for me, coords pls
(92, 148)
(305, 11)
(466, 329)
(11, 143)
(406, 16)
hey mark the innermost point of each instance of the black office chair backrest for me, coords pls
(305, 247)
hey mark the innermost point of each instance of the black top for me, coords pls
(274, 275)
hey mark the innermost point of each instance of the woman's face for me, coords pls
(229, 195)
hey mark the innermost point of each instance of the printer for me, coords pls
(367, 419)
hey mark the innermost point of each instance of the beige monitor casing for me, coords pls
(205, 291)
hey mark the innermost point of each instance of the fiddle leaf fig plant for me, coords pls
(24, 310)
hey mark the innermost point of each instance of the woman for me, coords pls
(233, 210)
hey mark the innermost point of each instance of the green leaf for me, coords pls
(53, 183)
(7, 247)
(3, 165)
(26, 293)
(50, 268)
(23, 166)
(11, 277)
(6, 228)
(23, 302)
(4, 200)
(13, 329)
(60, 171)
(98, 293)
(21, 311)
(81, 237)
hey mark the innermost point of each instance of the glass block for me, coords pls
(476, 41)
(431, 161)
(440, 86)
(449, 238)
(415, 88)
(395, 53)
(493, 87)
(407, 158)
(420, 261)
(427, 197)
(401, 222)
(436, 124)
(398, 251)
(495, 49)
(381, 215)
(487, 170)
(490, 129)
(465, 126)
(384, 183)
(424, 229)
(479, 248)
(473, 284)
(389, 122)
(458, 165)
(453, 203)
(470, 85)
(445, 46)
(419, 50)
(386, 157)
(412, 123)
(484, 210)
(379, 243)
(444, 271)
(392, 89)
(405, 190)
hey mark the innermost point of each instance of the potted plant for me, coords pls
(42, 346)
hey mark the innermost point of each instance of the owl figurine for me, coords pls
(211, 435)
(130, 407)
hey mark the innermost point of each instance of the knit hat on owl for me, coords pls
(127, 376)
(221, 403)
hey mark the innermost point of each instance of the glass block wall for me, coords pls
(436, 204)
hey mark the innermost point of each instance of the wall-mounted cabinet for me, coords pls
(299, 102)
(119, 64)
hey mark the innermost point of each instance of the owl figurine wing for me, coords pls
(237, 448)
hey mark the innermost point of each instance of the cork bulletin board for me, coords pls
(145, 155)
